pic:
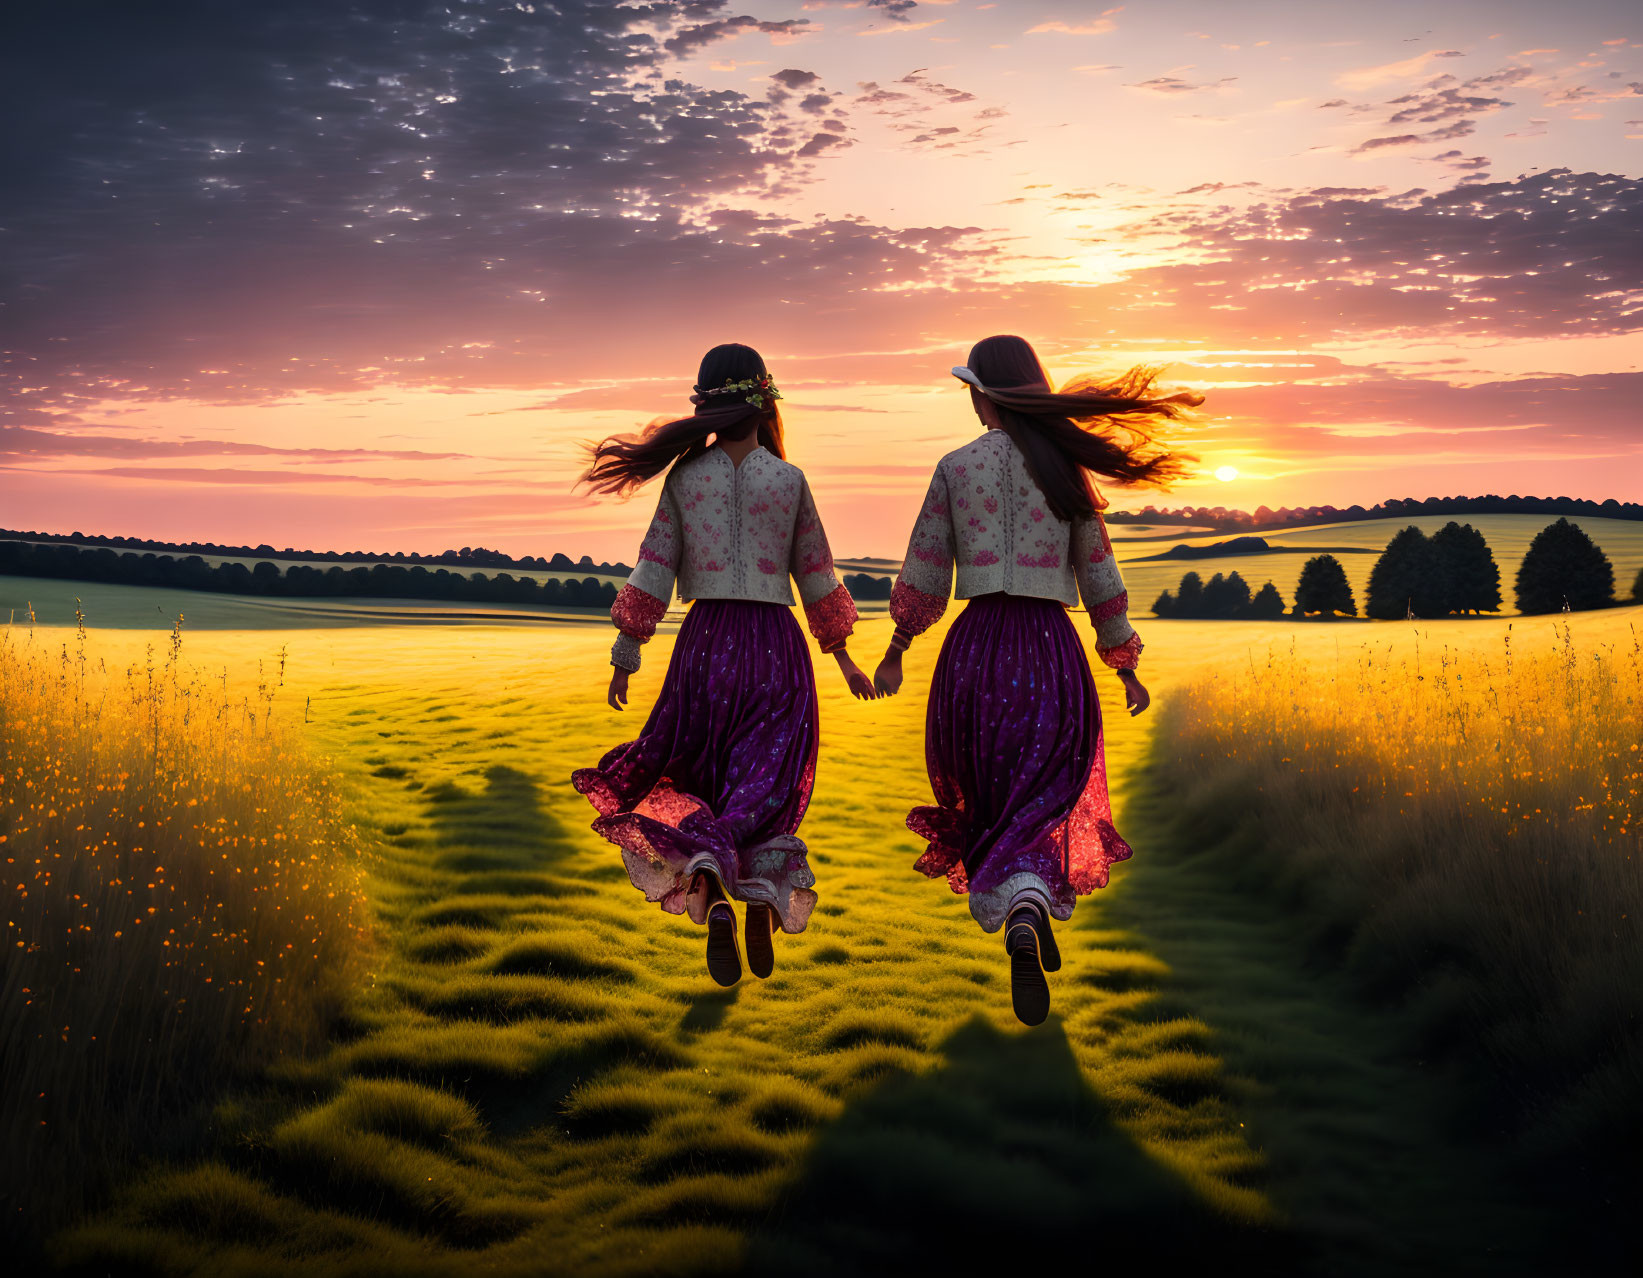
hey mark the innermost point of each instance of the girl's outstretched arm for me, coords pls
(924, 584)
(643, 601)
(1102, 589)
(828, 608)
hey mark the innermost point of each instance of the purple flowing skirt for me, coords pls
(1013, 745)
(720, 777)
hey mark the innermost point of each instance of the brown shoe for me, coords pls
(724, 955)
(761, 925)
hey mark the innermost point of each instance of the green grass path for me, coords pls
(540, 1077)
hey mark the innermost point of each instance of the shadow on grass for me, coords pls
(1372, 1149)
(498, 836)
(707, 1010)
(1004, 1158)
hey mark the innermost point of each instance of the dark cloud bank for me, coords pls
(230, 200)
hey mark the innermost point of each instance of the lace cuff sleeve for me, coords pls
(624, 653)
(1125, 656)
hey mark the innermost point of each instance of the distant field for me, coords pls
(540, 1068)
(284, 563)
(156, 607)
(1508, 536)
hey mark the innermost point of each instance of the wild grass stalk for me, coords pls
(184, 903)
(1464, 831)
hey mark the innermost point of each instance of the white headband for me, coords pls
(963, 374)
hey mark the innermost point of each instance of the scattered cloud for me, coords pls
(902, 27)
(795, 79)
(1367, 78)
(1172, 85)
(19, 442)
(691, 39)
(1547, 254)
(1099, 26)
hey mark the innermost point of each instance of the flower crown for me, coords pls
(756, 390)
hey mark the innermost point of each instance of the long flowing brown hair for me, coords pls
(1088, 427)
(623, 463)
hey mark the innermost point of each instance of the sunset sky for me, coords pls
(362, 273)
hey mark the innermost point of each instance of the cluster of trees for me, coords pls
(1453, 571)
(862, 585)
(1565, 569)
(1489, 504)
(1224, 598)
(1324, 589)
(467, 557)
(381, 580)
(1419, 576)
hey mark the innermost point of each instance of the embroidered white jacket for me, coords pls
(726, 532)
(986, 522)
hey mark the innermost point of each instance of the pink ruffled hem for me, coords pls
(669, 840)
(1086, 843)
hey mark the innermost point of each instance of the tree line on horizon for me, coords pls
(1416, 576)
(1218, 516)
(1453, 571)
(390, 581)
(379, 580)
(466, 557)
(1223, 519)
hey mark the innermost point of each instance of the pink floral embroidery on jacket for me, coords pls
(817, 561)
(726, 532)
(1019, 545)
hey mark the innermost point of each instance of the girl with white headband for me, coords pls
(706, 801)
(1013, 739)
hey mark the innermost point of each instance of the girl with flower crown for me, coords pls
(705, 802)
(1013, 738)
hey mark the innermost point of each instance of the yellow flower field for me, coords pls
(536, 1073)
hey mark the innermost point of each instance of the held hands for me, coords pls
(1136, 697)
(618, 688)
(886, 682)
(887, 678)
(860, 685)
